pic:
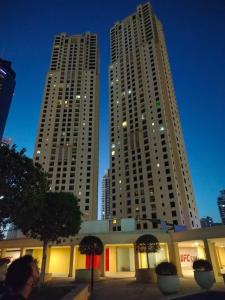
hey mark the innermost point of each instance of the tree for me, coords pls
(48, 217)
(147, 243)
(91, 245)
(20, 180)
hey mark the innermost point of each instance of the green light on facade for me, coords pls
(157, 104)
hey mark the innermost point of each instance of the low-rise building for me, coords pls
(119, 257)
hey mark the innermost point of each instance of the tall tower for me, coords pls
(67, 140)
(149, 168)
(221, 205)
(7, 85)
(106, 195)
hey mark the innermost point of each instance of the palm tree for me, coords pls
(91, 245)
(147, 243)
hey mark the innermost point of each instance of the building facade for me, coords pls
(7, 86)
(206, 222)
(120, 258)
(149, 169)
(67, 141)
(106, 195)
(221, 205)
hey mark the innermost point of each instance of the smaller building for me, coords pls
(120, 258)
(206, 222)
(221, 205)
(7, 85)
(106, 195)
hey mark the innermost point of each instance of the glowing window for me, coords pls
(124, 124)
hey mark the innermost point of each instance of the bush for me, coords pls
(166, 268)
(202, 265)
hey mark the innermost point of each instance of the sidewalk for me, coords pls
(121, 289)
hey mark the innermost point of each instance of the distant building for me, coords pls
(207, 222)
(106, 195)
(221, 205)
(7, 85)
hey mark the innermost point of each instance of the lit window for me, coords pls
(162, 128)
(129, 92)
(113, 146)
(120, 181)
(111, 82)
(114, 221)
(117, 79)
(153, 124)
(113, 153)
(79, 193)
(124, 124)
(83, 123)
(38, 151)
(157, 165)
(77, 96)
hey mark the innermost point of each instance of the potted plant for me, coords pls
(203, 273)
(90, 245)
(146, 243)
(167, 279)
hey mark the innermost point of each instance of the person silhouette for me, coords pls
(22, 275)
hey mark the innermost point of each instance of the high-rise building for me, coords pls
(67, 140)
(106, 195)
(7, 85)
(221, 205)
(150, 176)
(206, 222)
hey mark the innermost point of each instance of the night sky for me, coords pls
(195, 35)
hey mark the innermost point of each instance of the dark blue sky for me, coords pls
(195, 35)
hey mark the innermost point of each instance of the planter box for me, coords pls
(83, 275)
(168, 284)
(146, 275)
(204, 279)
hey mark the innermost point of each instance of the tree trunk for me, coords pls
(92, 272)
(43, 263)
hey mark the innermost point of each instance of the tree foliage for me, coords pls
(147, 243)
(20, 181)
(91, 245)
(52, 215)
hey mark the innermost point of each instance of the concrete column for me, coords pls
(3, 252)
(102, 264)
(71, 266)
(210, 253)
(174, 257)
